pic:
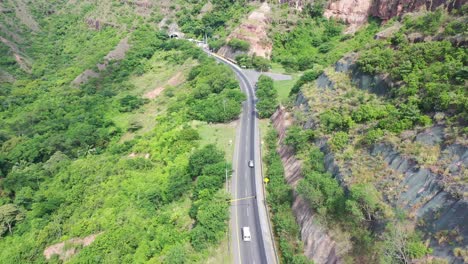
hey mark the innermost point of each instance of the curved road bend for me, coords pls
(248, 208)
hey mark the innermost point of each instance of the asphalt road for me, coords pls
(248, 209)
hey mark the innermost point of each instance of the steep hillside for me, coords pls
(376, 147)
(105, 154)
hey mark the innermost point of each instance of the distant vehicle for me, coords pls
(246, 233)
(251, 163)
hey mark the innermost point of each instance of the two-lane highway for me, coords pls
(248, 208)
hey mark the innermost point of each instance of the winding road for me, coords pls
(248, 208)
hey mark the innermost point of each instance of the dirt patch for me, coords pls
(154, 93)
(6, 77)
(23, 61)
(24, 15)
(84, 77)
(175, 80)
(139, 155)
(253, 30)
(67, 249)
(118, 53)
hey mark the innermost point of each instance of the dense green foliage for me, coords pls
(279, 199)
(214, 22)
(267, 97)
(215, 95)
(354, 210)
(239, 45)
(258, 63)
(316, 41)
(307, 77)
(432, 74)
(66, 173)
(297, 138)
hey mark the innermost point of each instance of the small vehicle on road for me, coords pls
(251, 163)
(246, 233)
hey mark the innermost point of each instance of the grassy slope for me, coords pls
(96, 207)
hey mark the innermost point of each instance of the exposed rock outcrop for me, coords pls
(65, 250)
(386, 9)
(353, 12)
(356, 12)
(118, 53)
(432, 195)
(253, 30)
(318, 245)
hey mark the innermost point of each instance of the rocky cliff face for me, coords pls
(386, 9)
(356, 12)
(254, 31)
(429, 194)
(318, 245)
(353, 12)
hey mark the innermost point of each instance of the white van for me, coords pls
(246, 233)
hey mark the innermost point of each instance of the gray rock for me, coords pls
(431, 136)
(347, 63)
(324, 82)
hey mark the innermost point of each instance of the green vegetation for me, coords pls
(432, 76)
(280, 200)
(239, 45)
(307, 77)
(213, 23)
(297, 138)
(316, 41)
(267, 97)
(215, 95)
(355, 211)
(66, 172)
(256, 62)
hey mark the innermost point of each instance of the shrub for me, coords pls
(130, 103)
(215, 45)
(339, 141)
(373, 136)
(376, 60)
(298, 137)
(455, 27)
(427, 24)
(238, 44)
(332, 120)
(308, 76)
(267, 97)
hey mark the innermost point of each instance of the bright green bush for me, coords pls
(308, 76)
(332, 120)
(280, 198)
(267, 97)
(427, 24)
(239, 44)
(339, 141)
(298, 137)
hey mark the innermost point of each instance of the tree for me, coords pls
(239, 44)
(401, 244)
(207, 155)
(267, 97)
(9, 216)
(367, 198)
(297, 137)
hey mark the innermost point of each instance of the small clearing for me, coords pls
(23, 61)
(65, 250)
(175, 80)
(24, 15)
